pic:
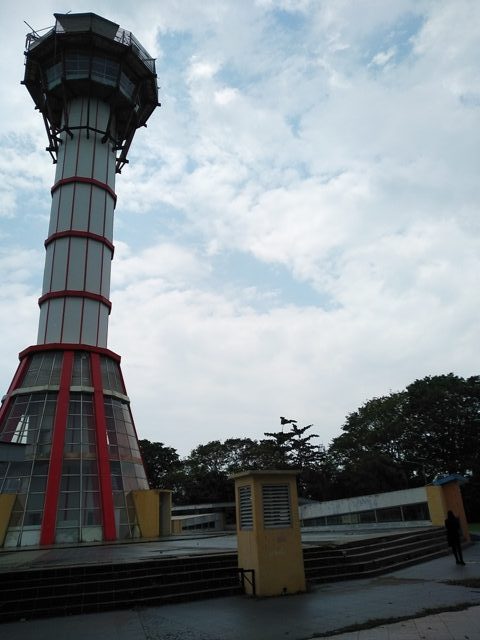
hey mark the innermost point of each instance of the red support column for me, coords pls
(17, 379)
(47, 535)
(109, 530)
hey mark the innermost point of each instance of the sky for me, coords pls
(297, 231)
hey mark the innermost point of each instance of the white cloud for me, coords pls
(165, 262)
(381, 58)
(200, 70)
(225, 96)
(336, 141)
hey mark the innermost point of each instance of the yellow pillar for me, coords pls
(454, 502)
(268, 531)
(7, 500)
(176, 527)
(436, 505)
(147, 508)
(165, 496)
(447, 496)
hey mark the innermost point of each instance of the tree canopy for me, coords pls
(430, 428)
(393, 442)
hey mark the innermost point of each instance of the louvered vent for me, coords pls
(276, 506)
(246, 511)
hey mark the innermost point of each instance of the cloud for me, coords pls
(182, 348)
(226, 95)
(18, 302)
(165, 262)
(334, 145)
(381, 58)
(201, 70)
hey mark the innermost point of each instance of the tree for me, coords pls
(209, 466)
(377, 426)
(443, 423)
(234, 454)
(292, 448)
(163, 466)
(430, 428)
(365, 457)
(445, 430)
(370, 473)
(392, 442)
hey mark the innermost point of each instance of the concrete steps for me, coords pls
(72, 590)
(91, 588)
(374, 556)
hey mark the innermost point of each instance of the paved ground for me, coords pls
(324, 612)
(449, 625)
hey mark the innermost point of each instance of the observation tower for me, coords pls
(73, 458)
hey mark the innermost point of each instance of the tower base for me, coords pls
(68, 448)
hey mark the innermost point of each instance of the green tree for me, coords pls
(377, 426)
(292, 447)
(430, 428)
(370, 472)
(392, 442)
(208, 467)
(443, 423)
(163, 467)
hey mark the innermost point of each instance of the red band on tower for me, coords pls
(84, 180)
(72, 293)
(75, 233)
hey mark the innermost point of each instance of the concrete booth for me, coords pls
(268, 530)
(444, 495)
(153, 508)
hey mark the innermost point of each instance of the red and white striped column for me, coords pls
(75, 305)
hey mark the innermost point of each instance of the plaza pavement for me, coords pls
(402, 597)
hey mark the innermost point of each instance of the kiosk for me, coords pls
(268, 530)
(444, 495)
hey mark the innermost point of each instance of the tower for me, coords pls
(66, 413)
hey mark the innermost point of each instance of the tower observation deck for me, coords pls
(67, 409)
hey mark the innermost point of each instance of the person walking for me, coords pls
(454, 532)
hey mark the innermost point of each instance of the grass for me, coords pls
(474, 527)
(376, 622)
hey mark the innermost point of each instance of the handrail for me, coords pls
(244, 577)
(123, 36)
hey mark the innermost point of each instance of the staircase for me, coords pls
(90, 588)
(58, 591)
(372, 557)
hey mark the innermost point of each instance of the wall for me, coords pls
(199, 521)
(363, 503)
